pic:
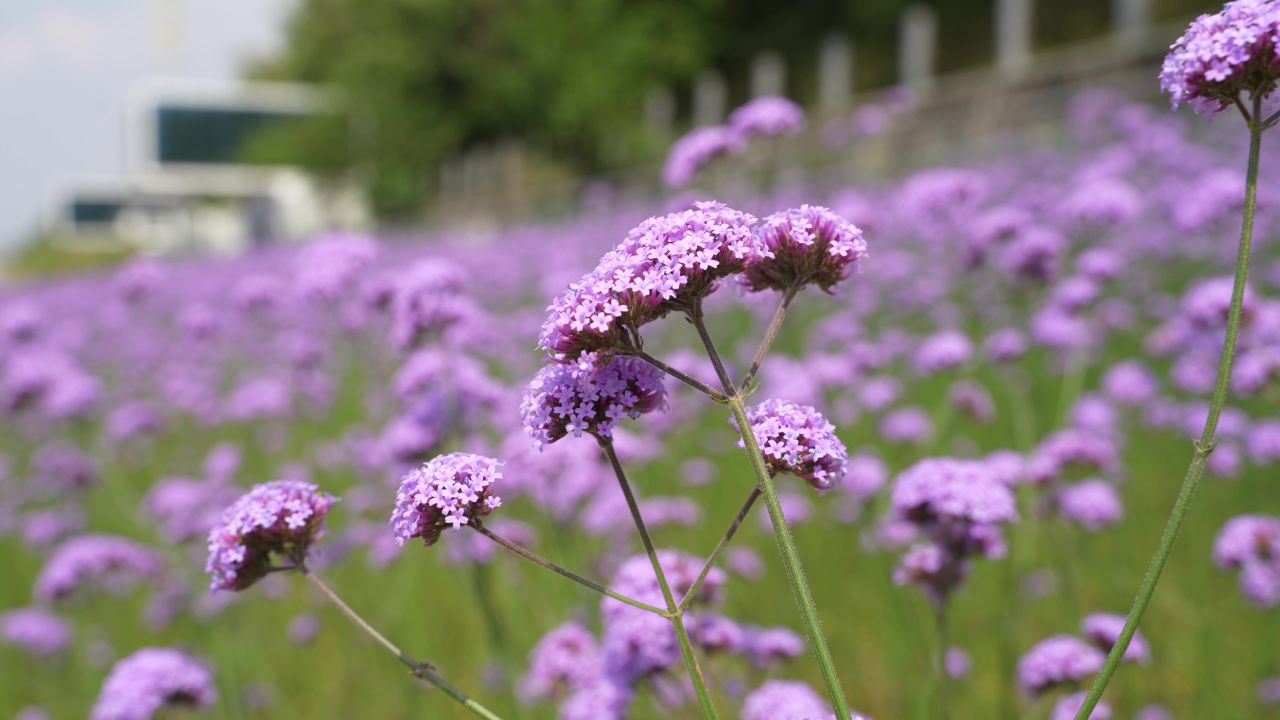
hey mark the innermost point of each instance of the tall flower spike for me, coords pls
(1223, 55)
(275, 519)
(151, 680)
(666, 263)
(447, 491)
(586, 396)
(797, 439)
(807, 245)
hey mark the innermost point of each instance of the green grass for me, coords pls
(1210, 646)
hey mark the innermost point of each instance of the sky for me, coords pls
(67, 68)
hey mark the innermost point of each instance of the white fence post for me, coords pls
(835, 74)
(1013, 37)
(917, 48)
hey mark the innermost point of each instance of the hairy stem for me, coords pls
(1205, 444)
(720, 548)
(544, 563)
(675, 614)
(781, 531)
(423, 670)
(770, 334)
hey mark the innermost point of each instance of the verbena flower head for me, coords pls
(35, 630)
(946, 489)
(1092, 504)
(797, 439)
(1103, 630)
(1057, 660)
(784, 700)
(151, 680)
(1251, 544)
(107, 562)
(589, 396)
(767, 116)
(666, 263)
(1069, 705)
(695, 149)
(1223, 55)
(275, 519)
(602, 700)
(447, 491)
(565, 660)
(807, 245)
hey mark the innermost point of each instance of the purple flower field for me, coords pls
(518, 462)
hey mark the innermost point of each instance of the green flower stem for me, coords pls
(675, 614)
(423, 670)
(720, 548)
(770, 334)
(542, 562)
(682, 377)
(781, 531)
(1205, 444)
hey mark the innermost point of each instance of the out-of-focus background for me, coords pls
(176, 126)
(246, 240)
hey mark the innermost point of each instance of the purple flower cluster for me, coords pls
(1103, 630)
(784, 700)
(666, 263)
(1223, 55)
(280, 518)
(807, 245)
(767, 117)
(448, 491)
(35, 630)
(1057, 660)
(1251, 544)
(150, 680)
(589, 396)
(107, 562)
(958, 505)
(564, 661)
(1092, 504)
(698, 147)
(798, 440)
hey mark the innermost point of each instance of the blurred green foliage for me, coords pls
(425, 79)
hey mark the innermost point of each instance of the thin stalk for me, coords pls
(720, 548)
(791, 561)
(673, 613)
(1205, 444)
(423, 670)
(682, 377)
(542, 562)
(781, 531)
(940, 662)
(770, 334)
(695, 317)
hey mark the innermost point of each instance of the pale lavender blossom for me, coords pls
(448, 491)
(151, 680)
(35, 631)
(767, 116)
(1103, 630)
(589, 396)
(1069, 705)
(1057, 660)
(798, 440)
(784, 700)
(1222, 56)
(696, 149)
(666, 263)
(806, 245)
(279, 519)
(1092, 504)
(106, 562)
(565, 660)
